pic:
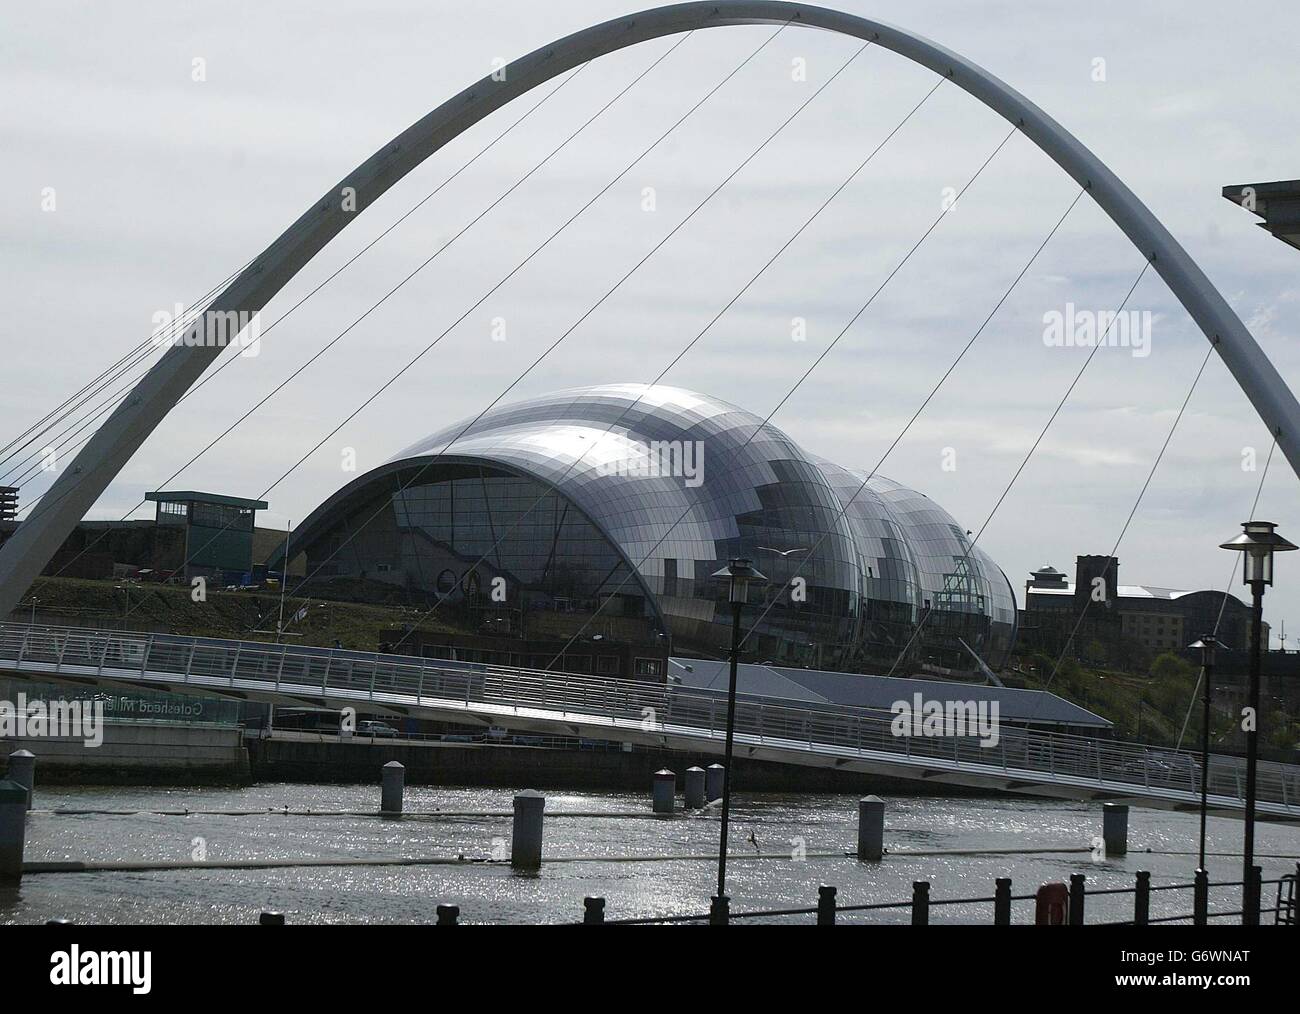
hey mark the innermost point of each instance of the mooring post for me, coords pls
(1200, 898)
(713, 781)
(694, 787)
(271, 919)
(1251, 897)
(1002, 901)
(526, 834)
(593, 911)
(22, 769)
(920, 903)
(393, 784)
(825, 905)
(1076, 899)
(1051, 904)
(1114, 828)
(13, 830)
(447, 915)
(663, 791)
(871, 828)
(1142, 899)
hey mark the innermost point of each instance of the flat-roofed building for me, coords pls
(218, 530)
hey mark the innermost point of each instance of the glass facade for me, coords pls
(622, 501)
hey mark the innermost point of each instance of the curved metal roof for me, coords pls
(678, 481)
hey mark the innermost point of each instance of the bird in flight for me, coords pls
(784, 552)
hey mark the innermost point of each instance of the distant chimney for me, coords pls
(1096, 580)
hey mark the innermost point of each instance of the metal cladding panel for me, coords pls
(871, 557)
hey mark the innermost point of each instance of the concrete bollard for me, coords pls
(271, 919)
(526, 835)
(664, 791)
(392, 787)
(13, 830)
(22, 769)
(713, 782)
(694, 788)
(448, 915)
(1114, 828)
(871, 828)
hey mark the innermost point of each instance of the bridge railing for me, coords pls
(345, 675)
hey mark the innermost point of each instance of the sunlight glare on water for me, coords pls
(601, 849)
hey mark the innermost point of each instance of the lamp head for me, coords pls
(1207, 646)
(1257, 543)
(739, 574)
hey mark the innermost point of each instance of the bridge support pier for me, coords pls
(13, 830)
(694, 788)
(871, 828)
(526, 833)
(393, 786)
(1114, 828)
(22, 769)
(713, 779)
(664, 791)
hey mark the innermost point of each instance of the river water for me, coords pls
(595, 853)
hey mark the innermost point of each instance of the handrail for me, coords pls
(340, 675)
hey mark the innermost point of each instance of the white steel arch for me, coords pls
(24, 556)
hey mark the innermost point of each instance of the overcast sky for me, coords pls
(164, 185)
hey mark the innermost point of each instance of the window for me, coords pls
(648, 667)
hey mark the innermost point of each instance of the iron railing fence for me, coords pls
(920, 905)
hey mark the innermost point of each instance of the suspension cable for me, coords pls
(554, 484)
(852, 320)
(1232, 575)
(586, 314)
(934, 390)
(162, 336)
(527, 259)
(365, 249)
(1129, 520)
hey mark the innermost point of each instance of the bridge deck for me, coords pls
(1021, 760)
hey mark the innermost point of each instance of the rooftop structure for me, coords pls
(218, 529)
(1277, 204)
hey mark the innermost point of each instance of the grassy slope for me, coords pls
(1151, 708)
(250, 615)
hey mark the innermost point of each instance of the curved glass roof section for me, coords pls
(680, 482)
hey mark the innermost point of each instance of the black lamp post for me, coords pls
(1258, 542)
(739, 574)
(1206, 645)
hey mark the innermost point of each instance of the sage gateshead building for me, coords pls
(605, 511)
